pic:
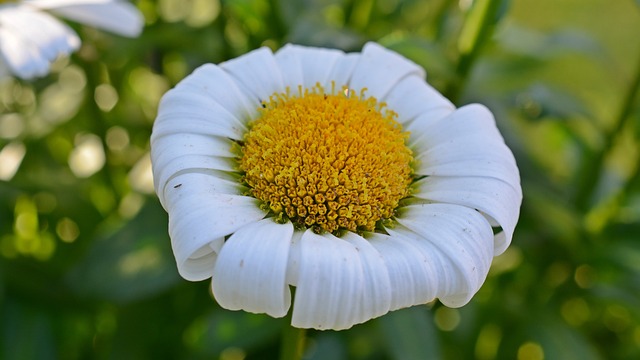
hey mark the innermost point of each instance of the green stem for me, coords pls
(594, 165)
(440, 17)
(477, 28)
(292, 345)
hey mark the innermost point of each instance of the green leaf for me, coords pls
(131, 263)
(544, 101)
(530, 42)
(410, 334)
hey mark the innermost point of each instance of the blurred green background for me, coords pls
(86, 270)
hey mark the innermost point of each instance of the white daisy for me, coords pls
(31, 38)
(344, 175)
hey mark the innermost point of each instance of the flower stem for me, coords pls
(477, 28)
(292, 345)
(594, 165)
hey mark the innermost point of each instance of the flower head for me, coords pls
(31, 38)
(344, 175)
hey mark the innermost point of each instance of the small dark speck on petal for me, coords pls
(177, 186)
(242, 263)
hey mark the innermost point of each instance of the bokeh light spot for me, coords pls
(106, 97)
(141, 260)
(584, 276)
(203, 12)
(87, 157)
(233, 353)
(11, 126)
(575, 311)
(117, 138)
(11, 157)
(530, 351)
(67, 230)
(141, 176)
(130, 205)
(447, 319)
(507, 261)
(488, 342)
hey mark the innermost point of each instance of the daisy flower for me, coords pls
(31, 38)
(346, 176)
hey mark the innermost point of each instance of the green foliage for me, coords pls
(86, 269)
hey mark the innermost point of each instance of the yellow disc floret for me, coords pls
(327, 161)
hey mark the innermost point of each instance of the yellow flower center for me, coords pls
(330, 162)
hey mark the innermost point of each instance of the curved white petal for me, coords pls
(201, 262)
(166, 168)
(257, 73)
(330, 283)
(377, 288)
(380, 69)
(250, 272)
(293, 262)
(119, 17)
(209, 182)
(341, 72)
(289, 62)
(182, 110)
(466, 143)
(414, 98)
(200, 212)
(30, 41)
(197, 142)
(412, 275)
(306, 66)
(205, 178)
(496, 199)
(464, 236)
(214, 83)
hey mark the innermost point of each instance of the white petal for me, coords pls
(166, 168)
(119, 17)
(217, 85)
(30, 40)
(494, 198)
(413, 278)
(330, 283)
(293, 267)
(464, 236)
(380, 69)
(251, 269)
(182, 110)
(199, 144)
(200, 212)
(257, 73)
(211, 179)
(200, 265)
(306, 66)
(413, 97)
(341, 72)
(466, 143)
(289, 62)
(376, 295)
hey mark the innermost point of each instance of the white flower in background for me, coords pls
(344, 175)
(31, 38)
